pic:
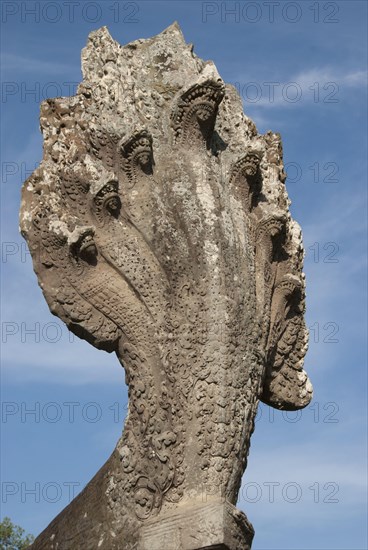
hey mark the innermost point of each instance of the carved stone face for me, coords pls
(137, 151)
(87, 249)
(204, 112)
(112, 203)
(144, 158)
(251, 165)
(108, 199)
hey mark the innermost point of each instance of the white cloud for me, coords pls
(318, 85)
(329, 74)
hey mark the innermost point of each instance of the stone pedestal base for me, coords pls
(215, 525)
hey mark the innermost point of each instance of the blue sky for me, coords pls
(301, 70)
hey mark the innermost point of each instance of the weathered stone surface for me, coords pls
(215, 524)
(159, 227)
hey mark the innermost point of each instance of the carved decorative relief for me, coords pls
(159, 228)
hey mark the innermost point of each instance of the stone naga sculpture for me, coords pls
(159, 227)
